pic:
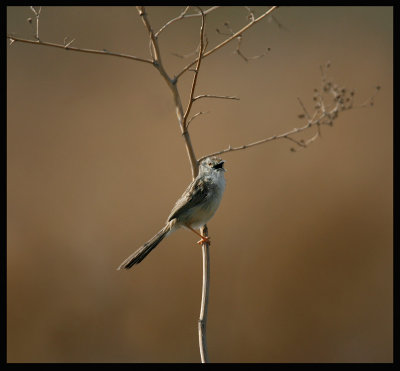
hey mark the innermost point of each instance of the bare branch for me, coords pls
(202, 323)
(251, 13)
(154, 48)
(157, 63)
(286, 135)
(172, 21)
(300, 142)
(239, 39)
(203, 12)
(194, 116)
(37, 15)
(184, 15)
(324, 114)
(229, 39)
(196, 73)
(262, 141)
(215, 96)
(66, 45)
(204, 297)
(82, 50)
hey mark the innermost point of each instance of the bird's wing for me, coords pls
(195, 193)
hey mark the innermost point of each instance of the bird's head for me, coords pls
(211, 164)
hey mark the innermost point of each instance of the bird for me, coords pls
(194, 208)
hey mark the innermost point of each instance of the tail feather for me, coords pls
(144, 250)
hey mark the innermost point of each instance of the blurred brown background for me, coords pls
(301, 260)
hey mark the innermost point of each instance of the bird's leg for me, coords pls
(203, 238)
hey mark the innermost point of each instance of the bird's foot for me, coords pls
(204, 239)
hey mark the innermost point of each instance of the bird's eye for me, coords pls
(209, 164)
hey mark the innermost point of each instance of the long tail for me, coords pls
(144, 250)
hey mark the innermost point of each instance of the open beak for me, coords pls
(220, 165)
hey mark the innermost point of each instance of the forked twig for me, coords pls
(181, 16)
(229, 39)
(37, 15)
(184, 15)
(194, 116)
(239, 38)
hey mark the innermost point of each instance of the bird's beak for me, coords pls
(220, 165)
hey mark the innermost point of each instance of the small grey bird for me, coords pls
(194, 208)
